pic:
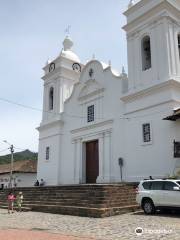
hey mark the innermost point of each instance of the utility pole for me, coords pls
(12, 165)
(12, 162)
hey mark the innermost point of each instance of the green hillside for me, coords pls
(19, 156)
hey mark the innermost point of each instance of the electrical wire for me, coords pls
(124, 117)
(14, 148)
(20, 149)
(40, 110)
(4, 150)
(23, 149)
(25, 106)
(74, 116)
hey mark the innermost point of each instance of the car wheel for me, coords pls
(148, 206)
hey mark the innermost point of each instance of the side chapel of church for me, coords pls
(101, 126)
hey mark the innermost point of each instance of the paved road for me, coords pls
(32, 235)
(120, 227)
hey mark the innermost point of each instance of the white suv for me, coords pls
(157, 194)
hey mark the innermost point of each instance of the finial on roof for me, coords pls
(123, 74)
(123, 70)
(67, 30)
(93, 56)
(67, 43)
(109, 63)
(131, 3)
(48, 61)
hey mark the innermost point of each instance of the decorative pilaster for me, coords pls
(107, 157)
(78, 161)
(76, 173)
(61, 96)
(101, 158)
(104, 157)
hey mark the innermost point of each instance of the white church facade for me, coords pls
(101, 126)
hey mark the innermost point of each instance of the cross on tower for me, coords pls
(67, 30)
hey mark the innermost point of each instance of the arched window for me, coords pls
(179, 44)
(51, 98)
(146, 53)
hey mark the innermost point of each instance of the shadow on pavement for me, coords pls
(161, 213)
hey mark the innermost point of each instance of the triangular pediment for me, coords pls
(91, 88)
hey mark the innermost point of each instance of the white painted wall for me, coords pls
(161, 24)
(21, 179)
(120, 108)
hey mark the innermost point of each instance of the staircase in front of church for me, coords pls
(88, 200)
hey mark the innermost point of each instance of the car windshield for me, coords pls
(178, 183)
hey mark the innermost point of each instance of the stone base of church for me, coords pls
(88, 200)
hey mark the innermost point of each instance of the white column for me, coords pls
(130, 62)
(100, 178)
(61, 96)
(76, 173)
(44, 104)
(59, 166)
(107, 157)
(78, 161)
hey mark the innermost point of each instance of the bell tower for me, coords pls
(153, 42)
(60, 75)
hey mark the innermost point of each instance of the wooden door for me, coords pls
(92, 161)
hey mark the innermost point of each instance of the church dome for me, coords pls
(67, 50)
(70, 55)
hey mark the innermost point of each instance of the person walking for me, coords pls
(19, 201)
(11, 197)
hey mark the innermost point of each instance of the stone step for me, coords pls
(23, 209)
(83, 186)
(82, 200)
(80, 204)
(84, 211)
(95, 200)
(100, 193)
(109, 198)
(74, 189)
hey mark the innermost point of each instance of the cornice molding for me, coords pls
(163, 9)
(129, 97)
(46, 125)
(92, 126)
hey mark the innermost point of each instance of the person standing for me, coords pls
(36, 184)
(11, 197)
(19, 201)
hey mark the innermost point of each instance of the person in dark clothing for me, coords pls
(36, 184)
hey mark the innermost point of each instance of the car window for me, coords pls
(178, 183)
(157, 185)
(169, 186)
(147, 185)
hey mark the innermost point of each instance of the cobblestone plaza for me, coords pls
(159, 226)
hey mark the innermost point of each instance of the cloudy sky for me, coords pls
(33, 31)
